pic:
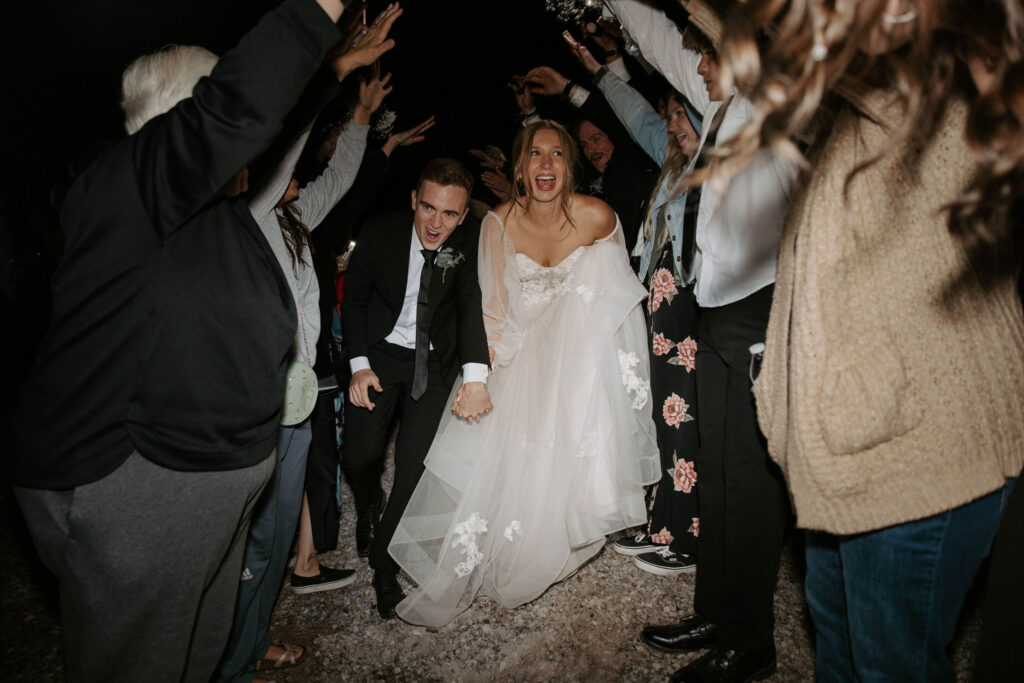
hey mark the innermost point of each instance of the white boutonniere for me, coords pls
(448, 258)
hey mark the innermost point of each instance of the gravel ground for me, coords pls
(583, 629)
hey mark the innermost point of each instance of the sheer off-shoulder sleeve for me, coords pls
(499, 289)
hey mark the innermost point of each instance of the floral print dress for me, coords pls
(672, 322)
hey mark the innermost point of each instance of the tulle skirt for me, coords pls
(520, 500)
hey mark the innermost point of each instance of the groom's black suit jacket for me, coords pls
(375, 287)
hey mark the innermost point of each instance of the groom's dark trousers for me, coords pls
(394, 367)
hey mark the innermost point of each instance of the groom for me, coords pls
(410, 317)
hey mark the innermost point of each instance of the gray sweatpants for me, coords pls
(148, 561)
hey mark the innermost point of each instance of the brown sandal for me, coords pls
(292, 655)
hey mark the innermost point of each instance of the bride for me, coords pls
(515, 502)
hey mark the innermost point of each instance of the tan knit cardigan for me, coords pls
(882, 400)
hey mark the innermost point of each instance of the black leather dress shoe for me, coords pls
(693, 633)
(389, 594)
(366, 527)
(364, 536)
(728, 666)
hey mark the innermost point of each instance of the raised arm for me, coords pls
(319, 197)
(631, 108)
(185, 158)
(661, 43)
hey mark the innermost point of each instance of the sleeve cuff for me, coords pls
(473, 372)
(532, 118)
(358, 363)
(618, 67)
(579, 96)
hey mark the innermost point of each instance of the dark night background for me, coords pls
(452, 59)
(61, 82)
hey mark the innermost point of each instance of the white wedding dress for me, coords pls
(518, 501)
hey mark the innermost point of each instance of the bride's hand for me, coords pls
(472, 401)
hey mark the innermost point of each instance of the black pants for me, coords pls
(744, 507)
(366, 434)
(1002, 628)
(322, 474)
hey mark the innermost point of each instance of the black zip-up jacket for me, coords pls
(172, 321)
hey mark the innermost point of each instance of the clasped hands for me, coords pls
(472, 401)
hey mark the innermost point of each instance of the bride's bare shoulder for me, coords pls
(593, 217)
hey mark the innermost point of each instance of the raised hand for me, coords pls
(492, 158)
(545, 80)
(524, 98)
(408, 137)
(372, 45)
(582, 53)
(371, 95)
(497, 183)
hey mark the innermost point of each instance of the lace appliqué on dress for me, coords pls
(465, 535)
(640, 389)
(540, 290)
(586, 293)
(512, 530)
(587, 447)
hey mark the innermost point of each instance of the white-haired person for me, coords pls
(146, 432)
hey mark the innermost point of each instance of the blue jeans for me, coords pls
(885, 603)
(266, 556)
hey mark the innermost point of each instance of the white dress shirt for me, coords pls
(738, 227)
(404, 332)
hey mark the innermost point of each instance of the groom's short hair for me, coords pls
(447, 172)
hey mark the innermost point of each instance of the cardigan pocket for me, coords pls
(867, 398)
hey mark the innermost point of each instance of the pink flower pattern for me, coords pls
(684, 476)
(695, 527)
(661, 345)
(687, 350)
(663, 283)
(654, 302)
(663, 537)
(675, 411)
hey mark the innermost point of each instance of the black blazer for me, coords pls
(375, 291)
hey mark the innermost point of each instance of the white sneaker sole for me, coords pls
(631, 552)
(663, 571)
(326, 586)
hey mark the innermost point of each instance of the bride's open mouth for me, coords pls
(544, 183)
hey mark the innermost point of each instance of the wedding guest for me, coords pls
(731, 258)
(285, 215)
(145, 432)
(891, 387)
(668, 545)
(510, 505)
(319, 519)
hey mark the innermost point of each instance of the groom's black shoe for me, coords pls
(693, 633)
(719, 665)
(366, 527)
(389, 594)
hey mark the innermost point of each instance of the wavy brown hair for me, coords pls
(522, 194)
(812, 64)
(297, 237)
